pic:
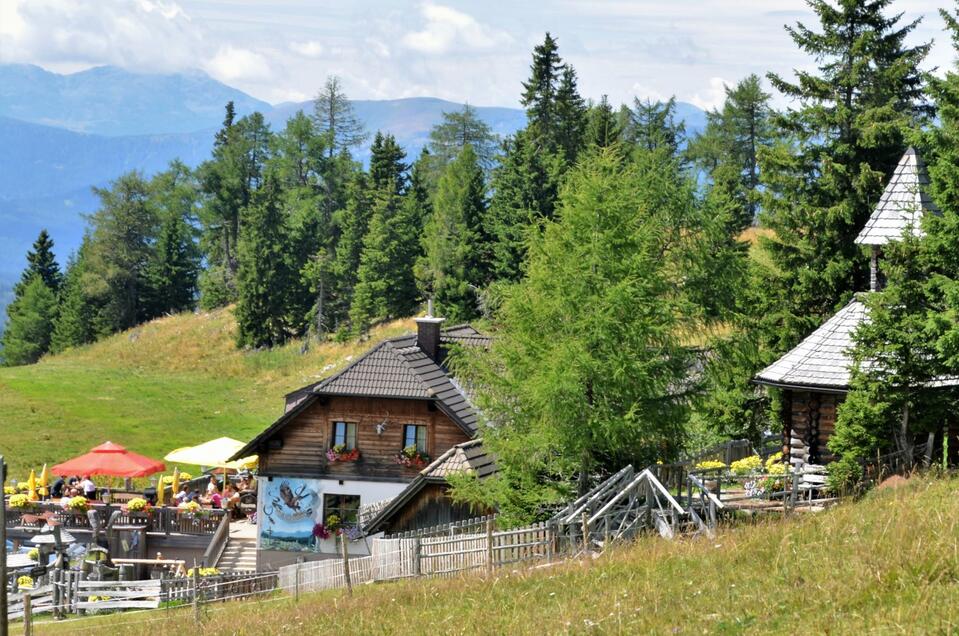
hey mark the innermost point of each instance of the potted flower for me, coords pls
(320, 533)
(189, 509)
(25, 582)
(139, 507)
(339, 453)
(19, 502)
(412, 458)
(78, 505)
(333, 523)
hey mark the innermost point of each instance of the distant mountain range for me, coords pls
(63, 134)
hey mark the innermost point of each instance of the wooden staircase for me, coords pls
(239, 555)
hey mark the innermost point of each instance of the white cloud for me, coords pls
(309, 48)
(713, 96)
(231, 64)
(153, 35)
(644, 92)
(447, 29)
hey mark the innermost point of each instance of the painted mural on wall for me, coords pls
(291, 507)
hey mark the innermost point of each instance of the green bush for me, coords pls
(845, 476)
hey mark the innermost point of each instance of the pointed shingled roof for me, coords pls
(822, 359)
(903, 202)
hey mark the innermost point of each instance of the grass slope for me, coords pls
(172, 382)
(887, 564)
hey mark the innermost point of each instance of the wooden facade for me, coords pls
(809, 420)
(299, 447)
(431, 506)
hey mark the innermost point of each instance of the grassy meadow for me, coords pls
(888, 564)
(172, 382)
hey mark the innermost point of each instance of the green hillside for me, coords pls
(885, 565)
(171, 382)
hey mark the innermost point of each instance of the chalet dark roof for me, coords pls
(822, 359)
(395, 368)
(469, 456)
(903, 202)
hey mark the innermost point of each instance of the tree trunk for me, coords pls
(905, 443)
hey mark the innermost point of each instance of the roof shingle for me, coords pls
(902, 204)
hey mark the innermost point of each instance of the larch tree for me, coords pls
(29, 327)
(457, 130)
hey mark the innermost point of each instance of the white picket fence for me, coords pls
(427, 556)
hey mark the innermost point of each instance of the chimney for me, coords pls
(428, 334)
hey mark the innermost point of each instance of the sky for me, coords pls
(476, 52)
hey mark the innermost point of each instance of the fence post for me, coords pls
(489, 545)
(346, 564)
(196, 593)
(296, 581)
(27, 614)
(416, 556)
(585, 532)
(549, 541)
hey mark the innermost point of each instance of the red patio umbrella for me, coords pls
(112, 460)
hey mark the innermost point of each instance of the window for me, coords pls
(415, 435)
(344, 433)
(340, 511)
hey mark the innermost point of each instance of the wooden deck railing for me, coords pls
(161, 519)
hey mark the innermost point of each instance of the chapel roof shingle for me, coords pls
(903, 202)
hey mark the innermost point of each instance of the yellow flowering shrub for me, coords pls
(747, 465)
(23, 486)
(137, 504)
(203, 572)
(34, 553)
(19, 501)
(25, 582)
(778, 469)
(78, 504)
(9, 490)
(710, 464)
(775, 458)
(189, 506)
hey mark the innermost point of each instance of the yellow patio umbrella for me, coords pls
(32, 486)
(161, 491)
(214, 453)
(44, 481)
(175, 484)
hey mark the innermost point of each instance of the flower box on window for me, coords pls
(339, 453)
(412, 458)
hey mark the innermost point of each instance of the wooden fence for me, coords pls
(403, 557)
(168, 520)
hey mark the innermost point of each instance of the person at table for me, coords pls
(230, 498)
(56, 490)
(212, 487)
(88, 487)
(181, 496)
(214, 500)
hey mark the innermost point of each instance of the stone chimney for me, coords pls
(428, 334)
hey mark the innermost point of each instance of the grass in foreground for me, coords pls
(888, 564)
(173, 382)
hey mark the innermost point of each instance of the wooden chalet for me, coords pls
(426, 502)
(358, 437)
(814, 377)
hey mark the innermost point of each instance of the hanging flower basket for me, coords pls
(339, 453)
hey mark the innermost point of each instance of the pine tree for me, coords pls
(336, 119)
(171, 277)
(73, 325)
(602, 128)
(844, 139)
(458, 129)
(653, 125)
(122, 232)
(42, 262)
(578, 380)
(265, 276)
(353, 222)
(454, 267)
(727, 150)
(29, 323)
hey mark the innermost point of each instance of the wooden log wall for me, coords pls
(811, 422)
(306, 439)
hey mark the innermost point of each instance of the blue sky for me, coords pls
(463, 51)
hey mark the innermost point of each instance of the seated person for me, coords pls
(56, 490)
(230, 497)
(88, 487)
(213, 486)
(181, 496)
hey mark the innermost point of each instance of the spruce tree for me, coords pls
(539, 94)
(454, 267)
(29, 326)
(602, 128)
(73, 325)
(843, 140)
(353, 222)
(571, 116)
(42, 262)
(387, 170)
(171, 276)
(265, 277)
